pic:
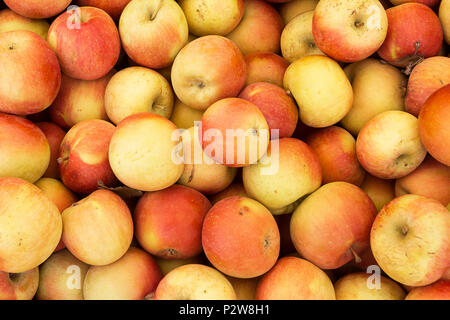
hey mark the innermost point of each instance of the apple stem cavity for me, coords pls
(154, 13)
(405, 230)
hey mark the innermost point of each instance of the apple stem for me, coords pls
(61, 160)
(405, 230)
(355, 255)
(153, 16)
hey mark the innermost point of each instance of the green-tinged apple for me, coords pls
(61, 277)
(245, 289)
(30, 225)
(30, 78)
(141, 152)
(321, 90)
(410, 239)
(265, 66)
(440, 290)
(24, 149)
(293, 8)
(98, 229)
(235, 189)
(113, 7)
(294, 278)
(19, 286)
(11, 21)
(381, 191)
(389, 146)
(167, 265)
(54, 135)
(332, 225)
(37, 9)
(131, 277)
(444, 16)
(240, 237)
(86, 41)
(153, 32)
(206, 70)
(184, 116)
(135, 90)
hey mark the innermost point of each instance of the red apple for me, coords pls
(113, 7)
(265, 66)
(37, 9)
(439, 290)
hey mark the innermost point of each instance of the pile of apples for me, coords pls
(93, 97)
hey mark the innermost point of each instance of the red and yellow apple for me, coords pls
(265, 66)
(19, 286)
(11, 21)
(113, 7)
(54, 135)
(381, 191)
(440, 290)
(37, 9)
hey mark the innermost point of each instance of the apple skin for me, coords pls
(298, 174)
(153, 43)
(261, 23)
(19, 286)
(235, 114)
(234, 189)
(30, 64)
(389, 146)
(169, 222)
(245, 289)
(381, 191)
(30, 224)
(112, 7)
(293, 8)
(184, 116)
(79, 100)
(332, 224)
(20, 139)
(377, 87)
(439, 290)
(240, 237)
(430, 3)
(311, 74)
(336, 150)
(411, 24)
(354, 287)
(167, 265)
(444, 16)
(426, 78)
(54, 135)
(433, 125)
(194, 282)
(98, 229)
(277, 106)
(350, 30)
(265, 66)
(431, 179)
(135, 90)
(11, 21)
(55, 274)
(140, 152)
(37, 9)
(294, 278)
(206, 70)
(88, 52)
(131, 277)
(212, 17)
(404, 233)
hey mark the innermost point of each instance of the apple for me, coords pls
(194, 282)
(19, 286)
(431, 179)
(30, 225)
(245, 289)
(433, 125)
(321, 90)
(184, 116)
(294, 278)
(377, 87)
(61, 277)
(169, 222)
(444, 16)
(234, 189)
(113, 7)
(167, 265)
(11, 21)
(79, 100)
(355, 286)
(297, 40)
(37, 9)
(30, 77)
(206, 70)
(293, 8)
(426, 78)
(332, 225)
(285, 174)
(381, 191)
(351, 30)
(440, 290)
(54, 135)
(240, 237)
(234, 132)
(131, 277)
(98, 229)
(265, 66)
(87, 49)
(200, 172)
(262, 24)
(389, 146)
(153, 32)
(410, 240)
(141, 152)
(336, 150)
(24, 149)
(83, 156)
(212, 17)
(277, 106)
(430, 3)
(414, 31)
